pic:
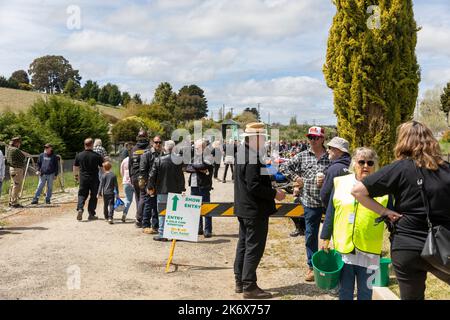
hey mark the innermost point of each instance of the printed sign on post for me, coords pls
(182, 217)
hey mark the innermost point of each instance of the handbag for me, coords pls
(119, 205)
(437, 245)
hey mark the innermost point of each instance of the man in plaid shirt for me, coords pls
(306, 169)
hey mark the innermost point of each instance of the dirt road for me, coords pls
(47, 254)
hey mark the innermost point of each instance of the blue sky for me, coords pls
(242, 52)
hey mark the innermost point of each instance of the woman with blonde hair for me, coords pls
(355, 234)
(418, 159)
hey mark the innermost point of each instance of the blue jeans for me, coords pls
(206, 197)
(312, 225)
(45, 178)
(347, 282)
(129, 192)
(161, 202)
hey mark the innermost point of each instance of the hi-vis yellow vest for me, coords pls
(354, 225)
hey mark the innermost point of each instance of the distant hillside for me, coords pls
(20, 100)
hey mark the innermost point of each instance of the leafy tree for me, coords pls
(246, 117)
(21, 76)
(13, 84)
(128, 128)
(165, 97)
(34, 133)
(430, 111)
(254, 111)
(137, 98)
(3, 82)
(156, 112)
(373, 71)
(445, 102)
(293, 121)
(51, 73)
(126, 98)
(72, 89)
(71, 121)
(228, 115)
(115, 97)
(191, 103)
(103, 96)
(94, 91)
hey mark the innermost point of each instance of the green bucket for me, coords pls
(327, 269)
(382, 274)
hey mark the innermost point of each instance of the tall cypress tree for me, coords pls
(373, 71)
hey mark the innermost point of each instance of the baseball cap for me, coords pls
(316, 131)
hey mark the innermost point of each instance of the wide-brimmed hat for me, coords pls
(255, 129)
(339, 143)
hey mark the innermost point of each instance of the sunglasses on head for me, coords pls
(313, 138)
(157, 142)
(370, 163)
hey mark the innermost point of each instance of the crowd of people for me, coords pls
(348, 189)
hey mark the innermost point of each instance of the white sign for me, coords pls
(182, 217)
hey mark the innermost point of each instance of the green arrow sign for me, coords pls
(175, 201)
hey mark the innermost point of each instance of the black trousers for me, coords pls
(150, 212)
(140, 197)
(226, 169)
(250, 249)
(88, 188)
(108, 206)
(411, 271)
(216, 169)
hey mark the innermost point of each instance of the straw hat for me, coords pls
(255, 129)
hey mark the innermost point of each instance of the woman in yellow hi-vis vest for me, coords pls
(353, 229)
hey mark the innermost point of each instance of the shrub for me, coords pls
(446, 136)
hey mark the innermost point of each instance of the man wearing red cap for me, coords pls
(306, 169)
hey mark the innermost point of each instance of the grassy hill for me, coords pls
(19, 100)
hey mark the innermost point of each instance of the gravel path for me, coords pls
(44, 249)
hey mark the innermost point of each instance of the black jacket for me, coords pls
(201, 163)
(135, 160)
(337, 168)
(254, 196)
(166, 176)
(146, 163)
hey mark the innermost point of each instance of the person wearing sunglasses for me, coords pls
(303, 169)
(149, 210)
(419, 161)
(355, 234)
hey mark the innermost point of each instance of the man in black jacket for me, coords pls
(200, 180)
(166, 177)
(254, 202)
(134, 169)
(150, 212)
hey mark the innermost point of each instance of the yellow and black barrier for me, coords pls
(225, 209)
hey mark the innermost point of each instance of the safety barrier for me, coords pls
(226, 209)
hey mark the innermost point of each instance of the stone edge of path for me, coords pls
(383, 293)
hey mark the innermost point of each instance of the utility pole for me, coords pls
(231, 112)
(259, 112)
(268, 121)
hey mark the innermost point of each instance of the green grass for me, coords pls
(31, 183)
(19, 100)
(435, 288)
(445, 146)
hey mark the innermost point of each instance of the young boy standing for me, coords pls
(109, 189)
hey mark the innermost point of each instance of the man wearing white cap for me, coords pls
(340, 158)
(306, 169)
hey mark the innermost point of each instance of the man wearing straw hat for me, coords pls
(254, 202)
